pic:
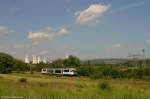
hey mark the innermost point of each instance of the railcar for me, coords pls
(60, 71)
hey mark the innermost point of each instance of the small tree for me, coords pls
(19, 66)
(6, 63)
(41, 65)
(58, 63)
(72, 61)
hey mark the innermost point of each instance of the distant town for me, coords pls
(37, 59)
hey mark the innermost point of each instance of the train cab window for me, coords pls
(73, 70)
(66, 70)
(44, 70)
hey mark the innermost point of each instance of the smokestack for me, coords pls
(34, 61)
(66, 56)
(38, 60)
(44, 60)
(27, 59)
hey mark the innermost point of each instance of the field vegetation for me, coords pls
(127, 80)
(37, 86)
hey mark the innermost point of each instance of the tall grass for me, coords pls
(72, 88)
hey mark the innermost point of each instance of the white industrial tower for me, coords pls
(66, 56)
(44, 60)
(34, 61)
(27, 59)
(38, 60)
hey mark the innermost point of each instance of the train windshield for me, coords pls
(43, 69)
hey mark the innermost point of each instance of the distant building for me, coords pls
(66, 56)
(44, 60)
(35, 60)
(27, 59)
(38, 60)
(50, 61)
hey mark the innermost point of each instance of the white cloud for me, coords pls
(91, 13)
(38, 35)
(4, 30)
(63, 31)
(117, 45)
(47, 33)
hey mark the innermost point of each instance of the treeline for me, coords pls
(130, 69)
(109, 72)
(9, 64)
(139, 68)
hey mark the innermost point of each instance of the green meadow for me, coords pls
(39, 86)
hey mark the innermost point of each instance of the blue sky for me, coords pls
(85, 28)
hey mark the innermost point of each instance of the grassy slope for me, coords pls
(45, 87)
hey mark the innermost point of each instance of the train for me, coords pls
(60, 71)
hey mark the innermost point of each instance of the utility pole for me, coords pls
(139, 62)
(143, 64)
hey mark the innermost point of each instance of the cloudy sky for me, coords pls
(85, 28)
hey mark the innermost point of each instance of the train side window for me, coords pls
(57, 71)
(50, 71)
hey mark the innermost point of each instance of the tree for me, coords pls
(41, 65)
(58, 63)
(72, 61)
(6, 63)
(19, 66)
(85, 71)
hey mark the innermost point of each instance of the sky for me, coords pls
(84, 28)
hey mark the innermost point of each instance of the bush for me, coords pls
(146, 71)
(112, 72)
(103, 85)
(96, 73)
(19, 66)
(106, 72)
(138, 73)
(23, 80)
(84, 71)
(80, 86)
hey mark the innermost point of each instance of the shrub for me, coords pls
(80, 86)
(23, 80)
(103, 85)
(146, 71)
(84, 71)
(112, 72)
(19, 66)
(97, 73)
(106, 72)
(135, 73)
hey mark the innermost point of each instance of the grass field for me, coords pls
(52, 87)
